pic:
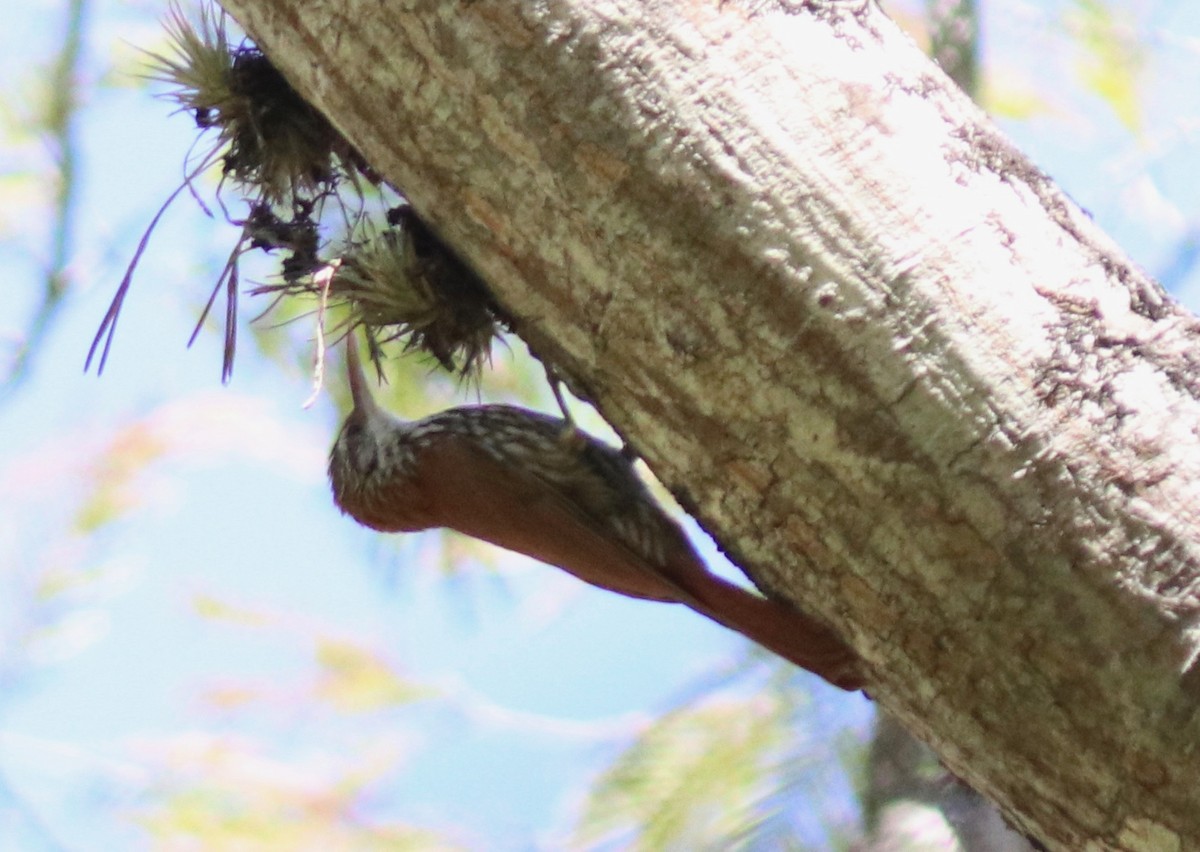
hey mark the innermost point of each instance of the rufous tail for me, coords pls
(776, 626)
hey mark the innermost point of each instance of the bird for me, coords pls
(535, 484)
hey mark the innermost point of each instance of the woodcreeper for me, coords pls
(534, 484)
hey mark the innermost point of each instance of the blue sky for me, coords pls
(545, 677)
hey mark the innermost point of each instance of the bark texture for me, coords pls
(900, 377)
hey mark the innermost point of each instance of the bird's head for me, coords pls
(367, 449)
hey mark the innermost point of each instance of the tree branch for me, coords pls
(894, 371)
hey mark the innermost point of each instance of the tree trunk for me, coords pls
(895, 372)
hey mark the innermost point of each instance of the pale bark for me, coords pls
(893, 370)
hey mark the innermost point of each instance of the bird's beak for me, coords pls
(359, 391)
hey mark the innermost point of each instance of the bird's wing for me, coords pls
(512, 507)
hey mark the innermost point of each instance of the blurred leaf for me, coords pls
(61, 639)
(355, 679)
(67, 498)
(212, 608)
(349, 676)
(690, 780)
(231, 696)
(70, 570)
(113, 476)
(1007, 93)
(1113, 59)
(223, 793)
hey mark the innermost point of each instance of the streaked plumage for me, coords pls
(531, 483)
